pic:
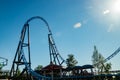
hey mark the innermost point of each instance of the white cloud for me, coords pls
(77, 25)
(110, 28)
(106, 12)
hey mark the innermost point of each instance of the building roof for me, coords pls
(80, 67)
(51, 67)
(87, 66)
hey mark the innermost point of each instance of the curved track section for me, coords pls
(112, 55)
(109, 57)
(21, 60)
(30, 71)
(38, 17)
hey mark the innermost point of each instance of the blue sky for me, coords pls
(77, 26)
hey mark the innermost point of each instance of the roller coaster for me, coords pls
(55, 59)
(20, 55)
(3, 62)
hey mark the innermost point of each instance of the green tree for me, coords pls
(18, 72)
(1, 66)
(71, 61)
(98, 62)
(107, 67)
(39, 67)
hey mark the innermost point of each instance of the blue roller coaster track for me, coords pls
(109, 57)
(112, 55)
(20, 58)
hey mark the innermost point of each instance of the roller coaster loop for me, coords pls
(21, 60)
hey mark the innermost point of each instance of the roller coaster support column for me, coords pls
(20, 58)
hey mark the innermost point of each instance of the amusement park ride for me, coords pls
(20, 58)
(56, 61)
(3, 62)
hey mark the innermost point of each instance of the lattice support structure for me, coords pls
(24, 46)
(55, 57)
(18, 59)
